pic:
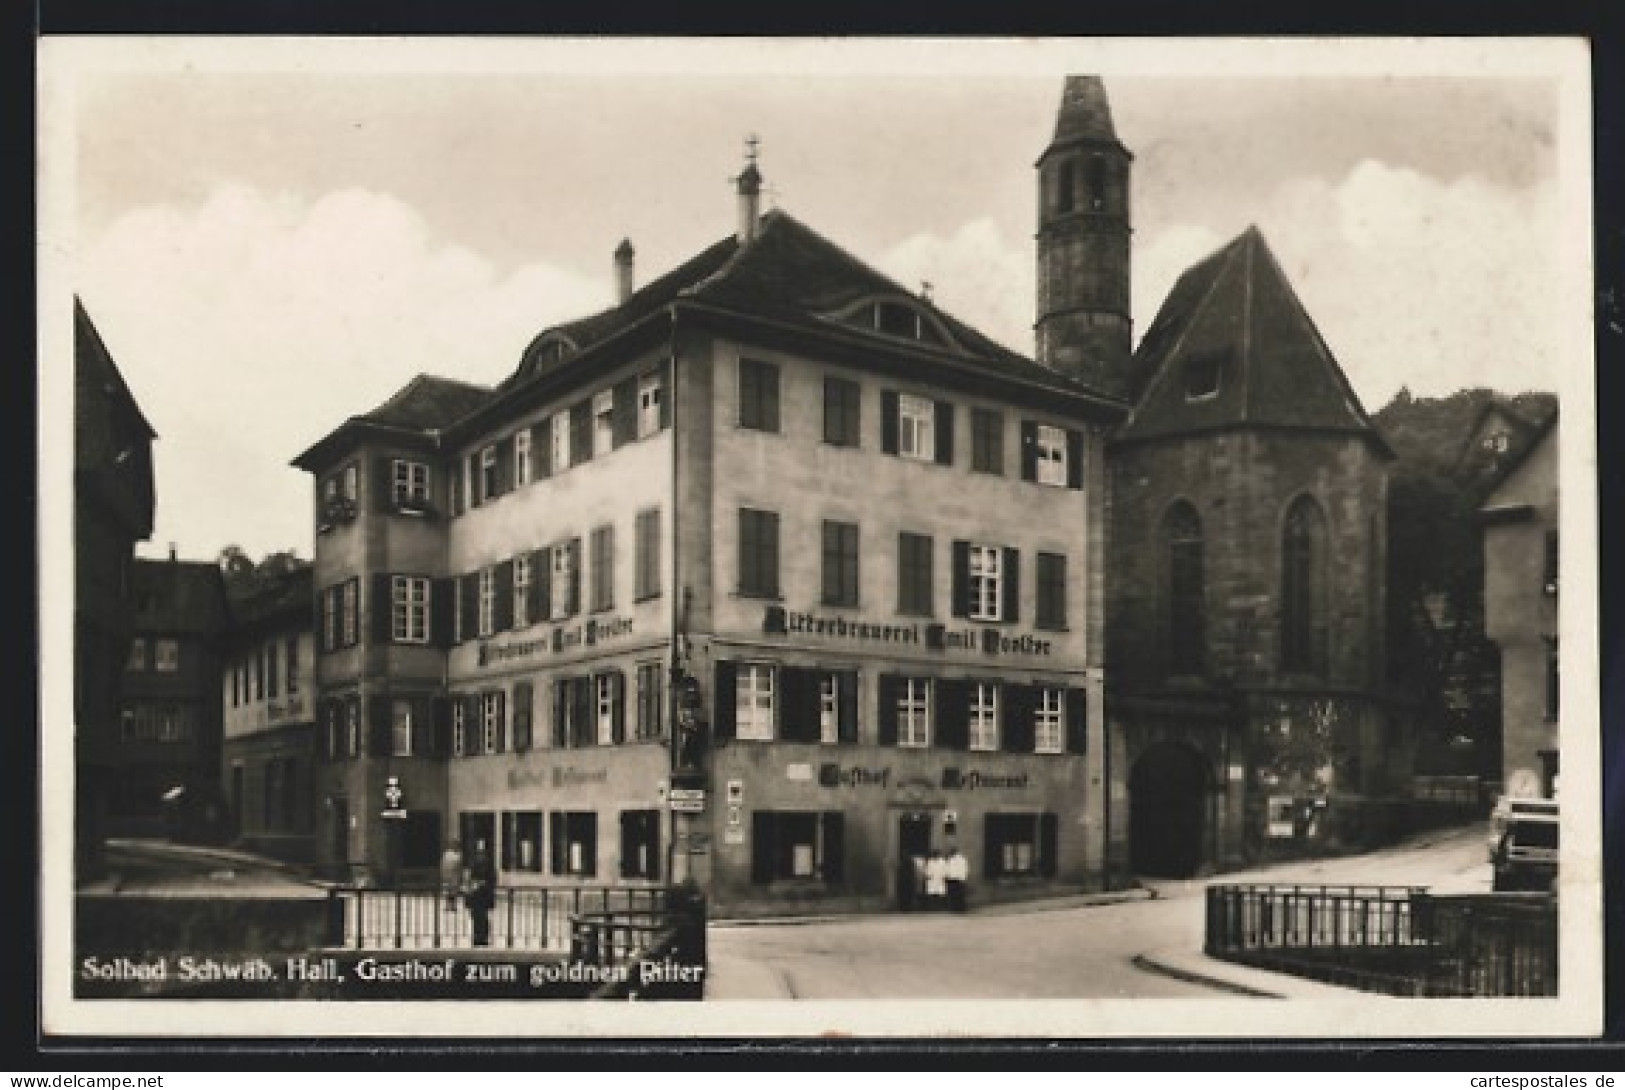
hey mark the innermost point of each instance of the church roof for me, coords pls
(1233, 347)
(1085, 115)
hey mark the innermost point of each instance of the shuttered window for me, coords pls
(758, 395)
(758, 553)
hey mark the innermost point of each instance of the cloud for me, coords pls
(976, 274)
(251, 324)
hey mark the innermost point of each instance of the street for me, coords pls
(1047, 951)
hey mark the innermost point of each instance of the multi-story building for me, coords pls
(112, 510)
(772, 577)
(268, 695)
(1520, 519)
(169, 730)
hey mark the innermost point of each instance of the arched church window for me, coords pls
(1303, 589)
(1187, 599)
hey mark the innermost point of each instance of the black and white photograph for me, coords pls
(996, 538)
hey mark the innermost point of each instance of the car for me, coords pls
(1523, 845)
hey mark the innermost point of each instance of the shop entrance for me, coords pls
(913, 842)
(1168, 800)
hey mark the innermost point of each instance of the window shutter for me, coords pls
(770, 397)
(1019, 729)
(580, 432)
(1048, 844)
(667, 393)
(440, 711)
(541, 448)
(1010, 587)
(422, 726)
(561, 710)
(725, 701)
(888, 421)
(834, 830)
(383, 484)
(378, 726)
(505, 473)
(380, 606)
(847, 699)
(556, 837)
(887, 722)
(476, 490)
(502, 721)
(624, 414)
(961, 579)
(440, 611)
(617, 705)
(630, 827)
(502, 619)
(1077, 721)
(1074, 458)
(762, 827)
(589, 853)
(574, 605)
(797, 705)
(952, 728)
(455, 476)
(586, 725)
(523, 710)
(469, 603)
(1029, 451)
(541, 584)
(944, 432)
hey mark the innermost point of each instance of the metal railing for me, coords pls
(672, 938)
(1397, 940)
(537, 919)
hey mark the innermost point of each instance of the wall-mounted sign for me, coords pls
(556, 778)
(736, 790)
(394, 799)
(563, 638)
(798, 772)
(778, 621)
(733, 836)
(953, 779)
(686, 794)
(736, 815)
(688, 806)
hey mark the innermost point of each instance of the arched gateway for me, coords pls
(1168, 791)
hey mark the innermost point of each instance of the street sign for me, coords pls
(688, 806)
(686, 794)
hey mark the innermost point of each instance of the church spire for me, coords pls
(1085, 113)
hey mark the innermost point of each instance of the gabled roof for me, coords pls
(177, 596)
(429, 402)
(791, 275)
(1517, 458)
(1235, 312)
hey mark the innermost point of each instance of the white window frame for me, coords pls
(352, 728)
(651, 699)
(755, 694)
(411, 483)
(984, 581)
(914, 713)
(559, 583)
(829, 709)
(1049, 721)
(351, 478)
(984, 717)
(490, 720)
(409, 609)
(459, 727)
(166, 655)
(138, 654)
(350, 592)
(400, 728)
(488, 601)
(1051, 456)
(604, 708)
(523, 575)
(916, 427)
(488, 474)
(651, 392)
(561, 441)
(603, 422)
(521, 457)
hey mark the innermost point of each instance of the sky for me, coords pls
(272, 237)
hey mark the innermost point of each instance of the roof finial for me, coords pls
(752, 147)
(925, 290)
(750, 188)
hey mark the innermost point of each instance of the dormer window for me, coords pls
(1202, 376)
(896, 318)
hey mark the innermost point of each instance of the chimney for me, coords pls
(623, 271)
(750, 192)
(171, 550)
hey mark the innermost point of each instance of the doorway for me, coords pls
(913, 842)
(1168, 800)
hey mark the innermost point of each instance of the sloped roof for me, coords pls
(429, 402)
(177, 596)
(1517, 457)
(1235, 310)
(792, 275)
(1085, 112)
(289, 594)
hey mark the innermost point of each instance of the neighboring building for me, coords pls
(168, 753)
(1520, 517)
(772, 577)
(113, 509)
(268, 691)
(1247, 581)
(1499, 434)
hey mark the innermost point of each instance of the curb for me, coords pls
(1005, 908)
(1148, 964)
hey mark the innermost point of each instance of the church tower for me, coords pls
(1083, 324)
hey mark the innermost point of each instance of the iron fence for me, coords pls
(1397, 940)
(536, 919)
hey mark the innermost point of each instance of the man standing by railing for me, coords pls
(481, 892)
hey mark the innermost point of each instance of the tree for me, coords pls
(245, 579)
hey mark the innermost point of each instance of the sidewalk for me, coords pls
(1243, 980)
